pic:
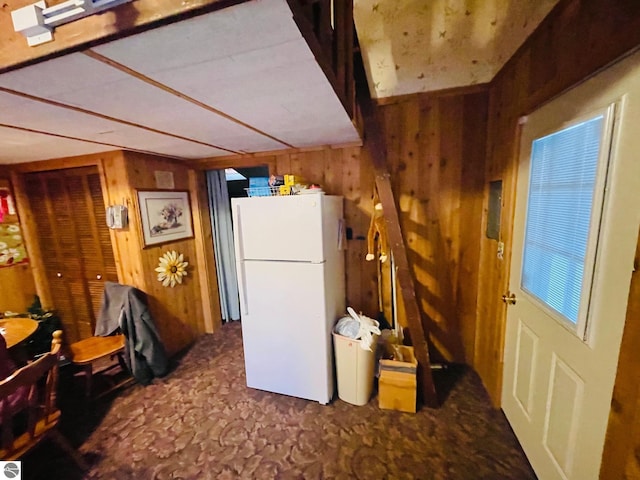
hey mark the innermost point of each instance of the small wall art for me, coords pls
(12, 251)
(6, 203)
(165, 216)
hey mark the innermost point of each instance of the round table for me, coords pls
(17, 329)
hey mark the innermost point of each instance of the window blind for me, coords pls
(562, 182)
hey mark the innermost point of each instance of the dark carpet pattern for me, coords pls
(202, 422)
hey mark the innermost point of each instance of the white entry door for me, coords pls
(575, 228)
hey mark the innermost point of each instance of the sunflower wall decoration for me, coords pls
(171, 269)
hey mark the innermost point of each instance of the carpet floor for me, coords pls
(202, 422)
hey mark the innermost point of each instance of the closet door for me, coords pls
(69, 213)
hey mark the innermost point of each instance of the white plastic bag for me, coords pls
(368, 327)
(348, 327)
(359, 327)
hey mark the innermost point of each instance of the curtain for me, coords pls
(220, 210)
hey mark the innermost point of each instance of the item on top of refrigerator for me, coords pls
(313, 188)
(307, 191)
(267, 187)
(292, 180)
(262, 191)
(276, 180)
(258, 181)
(258, 187)
(359, 327)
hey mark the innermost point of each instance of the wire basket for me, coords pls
(272, 191)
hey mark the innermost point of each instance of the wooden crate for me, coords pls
(397, 384)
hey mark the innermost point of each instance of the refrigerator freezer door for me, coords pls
(287, 228)
(285, 330)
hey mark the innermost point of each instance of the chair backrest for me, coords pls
(30, 394)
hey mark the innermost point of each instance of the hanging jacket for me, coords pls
(125, 307)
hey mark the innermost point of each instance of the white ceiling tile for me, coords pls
(233, 30)
(232, 77)
(214, 75)
(249, 61)
(178, 150)
(97, 87)
(61, 76)
(46, 118)
(275, 89)
(135, 101)
(19, 146)
(272, 83)
(283, 100)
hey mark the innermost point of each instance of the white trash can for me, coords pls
(354, 369)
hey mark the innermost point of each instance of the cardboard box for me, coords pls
(397, 384)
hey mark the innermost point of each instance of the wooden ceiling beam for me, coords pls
(117, 22)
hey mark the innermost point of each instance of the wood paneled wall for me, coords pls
(17, 288)
(435, 153)
(177, 311)
(436, 158)
(621, 457)
(340, 171)
(576, 40)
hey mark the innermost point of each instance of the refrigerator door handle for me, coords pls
(242, 284)
(243, 291)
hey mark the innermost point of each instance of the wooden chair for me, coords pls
(95, 350)
(31, 392)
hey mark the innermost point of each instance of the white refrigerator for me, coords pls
(291, 281)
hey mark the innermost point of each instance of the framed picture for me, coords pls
(165, 216)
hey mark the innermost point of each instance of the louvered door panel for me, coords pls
(77, 251)
(95, 190)
(43, 209)
(82, 242)
(103, 243)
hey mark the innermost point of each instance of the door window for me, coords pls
(565, 199)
